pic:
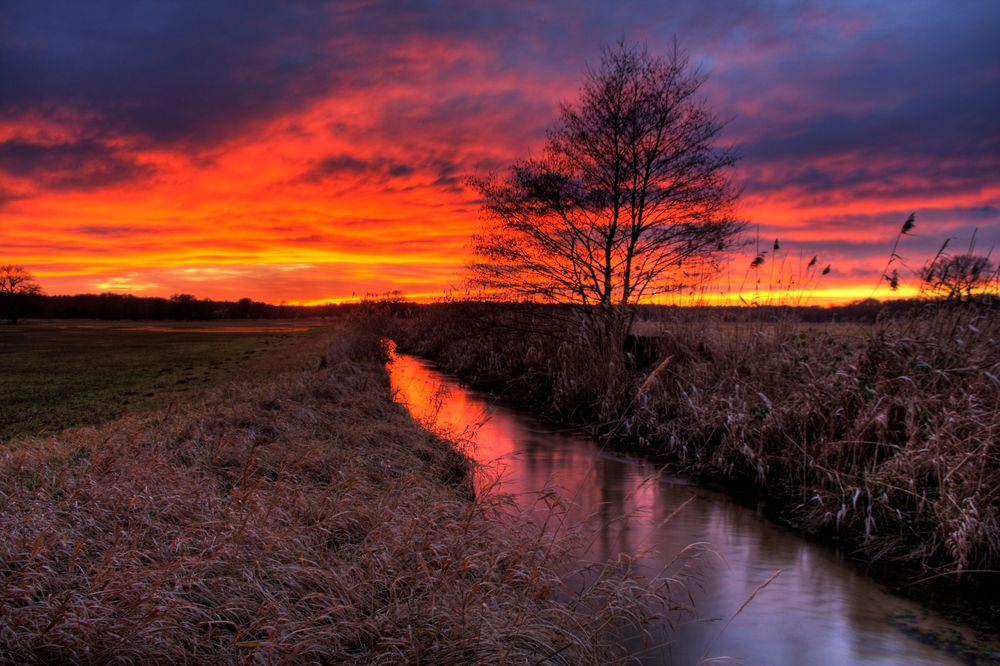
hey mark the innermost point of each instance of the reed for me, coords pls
(884, 435)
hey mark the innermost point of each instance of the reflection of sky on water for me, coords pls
(818, 610)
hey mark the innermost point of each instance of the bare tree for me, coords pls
(631, 196)
(958, 277)
(16, 283)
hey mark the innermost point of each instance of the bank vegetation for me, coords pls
(885, 436)
(295, 517)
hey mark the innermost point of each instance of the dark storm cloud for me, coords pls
(6, 196)
(199, 71)
(166, 72)
(458, 118)
(113, 230)
(960, 124)
(829, 101)
(930, 221)
(899, 97)
(346, 164)
(812, 184)
(441, 172)
(80, 165)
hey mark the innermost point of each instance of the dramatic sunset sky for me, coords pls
(304, 151)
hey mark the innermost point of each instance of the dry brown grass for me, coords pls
(888, 439)
(885, 435)
(299, 517)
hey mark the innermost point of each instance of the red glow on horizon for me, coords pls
(351, 181)
(263, 219)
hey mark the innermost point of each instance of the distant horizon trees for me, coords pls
(121, 307)
(112, 306)
(958, 277)
(630, 197)
(15, 284)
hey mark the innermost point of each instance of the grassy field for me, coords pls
(292, 514)
(55, 375)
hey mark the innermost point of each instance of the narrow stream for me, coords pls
(818, 610)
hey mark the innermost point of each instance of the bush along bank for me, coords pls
(884, 435)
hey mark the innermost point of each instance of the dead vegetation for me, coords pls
(889, 440)
(885, 436)
(299, 517)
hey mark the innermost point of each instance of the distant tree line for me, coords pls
(185, 307)
(16, 284)
(864, 311)
(180, 307)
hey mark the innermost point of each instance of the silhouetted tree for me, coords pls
(15, 284)
(630, 197)
(958, 277)
(183, 306)
(242, 308)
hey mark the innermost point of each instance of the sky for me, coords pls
(305, 151)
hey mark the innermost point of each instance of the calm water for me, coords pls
(819, 609)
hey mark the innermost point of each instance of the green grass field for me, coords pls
(55, 375)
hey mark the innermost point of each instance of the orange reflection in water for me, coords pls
(820, 609)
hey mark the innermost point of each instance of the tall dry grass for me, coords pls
(884, 435)
(300, 517)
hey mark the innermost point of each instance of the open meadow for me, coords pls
(283, 509)
(56, 374)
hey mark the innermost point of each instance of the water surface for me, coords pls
(818, 610)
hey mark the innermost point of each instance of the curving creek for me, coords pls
(820, 609)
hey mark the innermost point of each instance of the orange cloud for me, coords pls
(315, 154)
